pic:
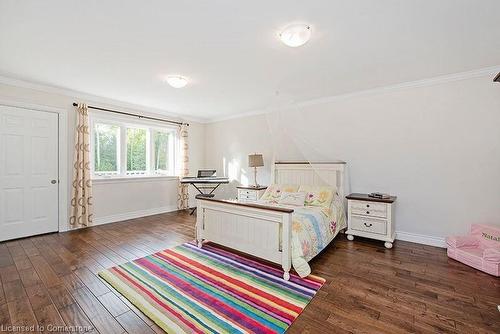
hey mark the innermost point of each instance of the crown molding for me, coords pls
(103, 101)
(439, 80)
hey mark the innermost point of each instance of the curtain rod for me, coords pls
(134, 115)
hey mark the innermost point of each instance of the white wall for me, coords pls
(114, 200)
(133, 198)
(436, 147)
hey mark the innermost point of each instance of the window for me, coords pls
(123, 149)
(106, 148)
(163, 147)
(136, 151)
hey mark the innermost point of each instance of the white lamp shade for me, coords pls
(255, 160)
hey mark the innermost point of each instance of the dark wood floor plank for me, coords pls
(38, 296)
(3, 300)
(113, 304)
(9, 273)
(22, 263)
(74, 317)
(29, 277)
(91, 264)
(28, 247)
(72, 282)
(103, 321)
(92, 282)
(5, 257)
(4, 316)
(60, 296)
(133, 324)
(21, 313)
(45, 271)
(15, 248)
(48, 317)
(110, 254)
(51, 257)
(45, 311)
(14, 290)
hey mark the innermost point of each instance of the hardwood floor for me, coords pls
(51, 280)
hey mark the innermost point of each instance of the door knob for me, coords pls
(53, 181)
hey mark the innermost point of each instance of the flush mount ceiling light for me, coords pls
(176, 81)
(295, 35)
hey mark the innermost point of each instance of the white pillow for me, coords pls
(292, 198)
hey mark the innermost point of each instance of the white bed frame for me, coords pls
(263, 231)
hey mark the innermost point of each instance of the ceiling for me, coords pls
(230, 50)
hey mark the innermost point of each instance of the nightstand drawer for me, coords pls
(368, 225)
(244, 195)
(368, 208)
(247, 192)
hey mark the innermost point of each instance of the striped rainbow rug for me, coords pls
(209, 290)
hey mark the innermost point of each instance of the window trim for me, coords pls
(123, 123)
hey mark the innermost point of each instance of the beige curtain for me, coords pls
(81, 197)
(182, 192)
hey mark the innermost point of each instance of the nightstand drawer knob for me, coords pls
(367, 212)
(367, 205)
(368, 225)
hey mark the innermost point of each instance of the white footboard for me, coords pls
(261, 231)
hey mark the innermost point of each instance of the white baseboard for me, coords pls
(400, 235)
(132, 215)
(421, 239)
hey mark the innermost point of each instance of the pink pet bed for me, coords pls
(480, 249)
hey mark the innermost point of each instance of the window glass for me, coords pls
(106, 148)
(126, 149)
(161, 145)
(136, 151)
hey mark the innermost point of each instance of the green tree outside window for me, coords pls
(136, 150)
(105, 148)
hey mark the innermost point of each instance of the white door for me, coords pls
(28, 172)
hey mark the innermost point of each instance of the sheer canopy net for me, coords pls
(297, 135)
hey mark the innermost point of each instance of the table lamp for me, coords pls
(255, 160)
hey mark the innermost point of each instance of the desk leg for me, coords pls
(213, 189)
(202, 193)
(199, 227)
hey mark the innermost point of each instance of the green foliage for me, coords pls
(136, 149)
(105, 155)
(106, 150)
(160, 150)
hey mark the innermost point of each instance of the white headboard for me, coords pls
(310, 173)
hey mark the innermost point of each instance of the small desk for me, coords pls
(205, 185)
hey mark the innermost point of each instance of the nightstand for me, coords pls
(371, 217)
(250, 194)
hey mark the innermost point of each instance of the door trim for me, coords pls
(62, 135)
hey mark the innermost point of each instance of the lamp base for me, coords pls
(256, 185)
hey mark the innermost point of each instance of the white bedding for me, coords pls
(313, 228)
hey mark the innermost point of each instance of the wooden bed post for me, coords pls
(286, 261)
